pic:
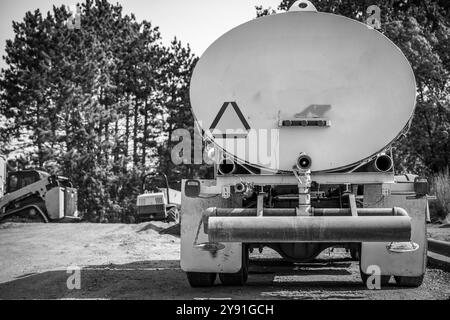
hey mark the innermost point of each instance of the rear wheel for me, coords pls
(412, 282)
(173, 215)
(355, 252)
(239, 278)
(201, 279)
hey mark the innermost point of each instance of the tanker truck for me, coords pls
(301, 109)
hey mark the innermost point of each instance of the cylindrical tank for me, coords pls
(303, 82)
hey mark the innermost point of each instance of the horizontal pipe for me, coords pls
(309, 229)
(395, 211)
(292, 212)
(276, 212)
(241, 212)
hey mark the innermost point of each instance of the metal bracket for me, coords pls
(304, 197)
(402, 247)
(303, 5)
(385, 190)
(305, 122)
(352, 202)
(260, 204)
(211, 247)
(226, 192)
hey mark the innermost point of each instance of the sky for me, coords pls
(197, 22)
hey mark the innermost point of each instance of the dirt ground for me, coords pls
(439, 232)
(136, 262)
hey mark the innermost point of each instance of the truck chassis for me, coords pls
(379, 216)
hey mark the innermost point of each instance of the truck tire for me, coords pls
(201, 279)
(411, 282)
(355, 253)
(173, 215)
(239, 278)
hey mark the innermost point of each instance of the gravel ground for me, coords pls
(136, 262)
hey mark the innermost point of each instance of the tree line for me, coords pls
(100, 103)
(96, 103)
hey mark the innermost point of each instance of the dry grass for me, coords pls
(440, 187)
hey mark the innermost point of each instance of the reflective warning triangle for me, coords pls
(241, 117)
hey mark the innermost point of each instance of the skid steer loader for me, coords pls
(36, 196)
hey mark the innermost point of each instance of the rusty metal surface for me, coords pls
(280, 212)
(308, 229)
(194, 259)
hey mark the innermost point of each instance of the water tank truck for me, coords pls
(302, 109)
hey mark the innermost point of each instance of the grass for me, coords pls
(440, 187)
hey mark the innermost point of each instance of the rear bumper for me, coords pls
(223, 225)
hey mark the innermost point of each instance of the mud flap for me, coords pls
(194, 258)
(405, 263)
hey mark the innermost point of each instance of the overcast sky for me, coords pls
(197, 22)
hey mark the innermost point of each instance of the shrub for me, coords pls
(440, 187)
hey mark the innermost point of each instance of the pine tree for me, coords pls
(93, 102)
(421, 29)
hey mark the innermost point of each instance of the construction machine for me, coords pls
(36, 196)
(158, 201)
(302, 109)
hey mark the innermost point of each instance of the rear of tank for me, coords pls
(385, 227)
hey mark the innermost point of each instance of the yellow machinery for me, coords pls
(302, 108)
